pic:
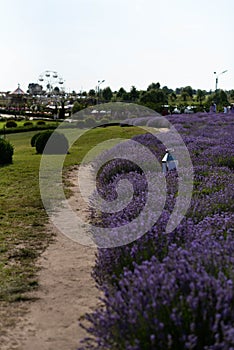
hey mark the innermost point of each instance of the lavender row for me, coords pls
(172, 291)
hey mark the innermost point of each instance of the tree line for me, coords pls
(160, 99)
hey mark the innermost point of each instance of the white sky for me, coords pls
(125, 42)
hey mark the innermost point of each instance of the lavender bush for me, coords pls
(172, 291)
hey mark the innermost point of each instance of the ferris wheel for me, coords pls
(50, 80)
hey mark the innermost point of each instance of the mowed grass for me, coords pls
(22, 219)
(23, 231)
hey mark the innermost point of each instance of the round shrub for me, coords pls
(11, 124)
(41, 122)
(6, 152)
(158, 123)
(104, 121)
(90, 122)
(34, 138)
(57, 144)
(28, 124)
(80, 124)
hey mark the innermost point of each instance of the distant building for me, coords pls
(17, 99)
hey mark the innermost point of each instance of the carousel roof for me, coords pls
(18, 91)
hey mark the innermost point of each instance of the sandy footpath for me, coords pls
(66, 292)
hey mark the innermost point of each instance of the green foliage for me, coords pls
(107, 94)
(133, 94)
(57, 144)
(226, 161)
(153, 86)
(11, 124)
(77, 107)
(92, 93)
(80, 124)
(6, 152)
(201, 94)
(220, 97)
(28, 123)
(154, 99)
(121, 92)
(90, 122)
(34, 138)
(188, 90)
(104, 120)
(41, 122)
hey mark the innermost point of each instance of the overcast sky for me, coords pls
(124, 42)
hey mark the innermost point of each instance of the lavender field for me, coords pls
(171, 291)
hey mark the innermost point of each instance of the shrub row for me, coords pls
(13, 123)
(27, 128)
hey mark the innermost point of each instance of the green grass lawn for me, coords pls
(23, 235)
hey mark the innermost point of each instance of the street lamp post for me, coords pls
(98, 89)
(216, 79)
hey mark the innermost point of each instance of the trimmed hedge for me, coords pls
(34, 138)
(57, 144)
(28, 124)
(11, 124)
(90, 122)
(41, 122)
(6, 152)
(80, 124)
(28, 128)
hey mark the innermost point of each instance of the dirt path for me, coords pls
(66, 292)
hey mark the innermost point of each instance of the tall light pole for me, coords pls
(216, 79)
(98, 89)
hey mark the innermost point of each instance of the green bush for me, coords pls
(28, 124)
(6, 152)
(227, 161)
(34, 138)
(80, 124)
(77, 107)
(57, 144)
(11, 124)
(104, 120)
(90, 122)
(41, 122)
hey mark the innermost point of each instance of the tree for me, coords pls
(34, 89)
(219, 97)
(200, 96)
(76, 107)
(92, 93)
(134, 94)
(167, 90)
(154, 99)
(173, 97)
(178, 91)
(184, 95)
(153, 86)
(188, 90)
(107, 94)
(121, 92)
